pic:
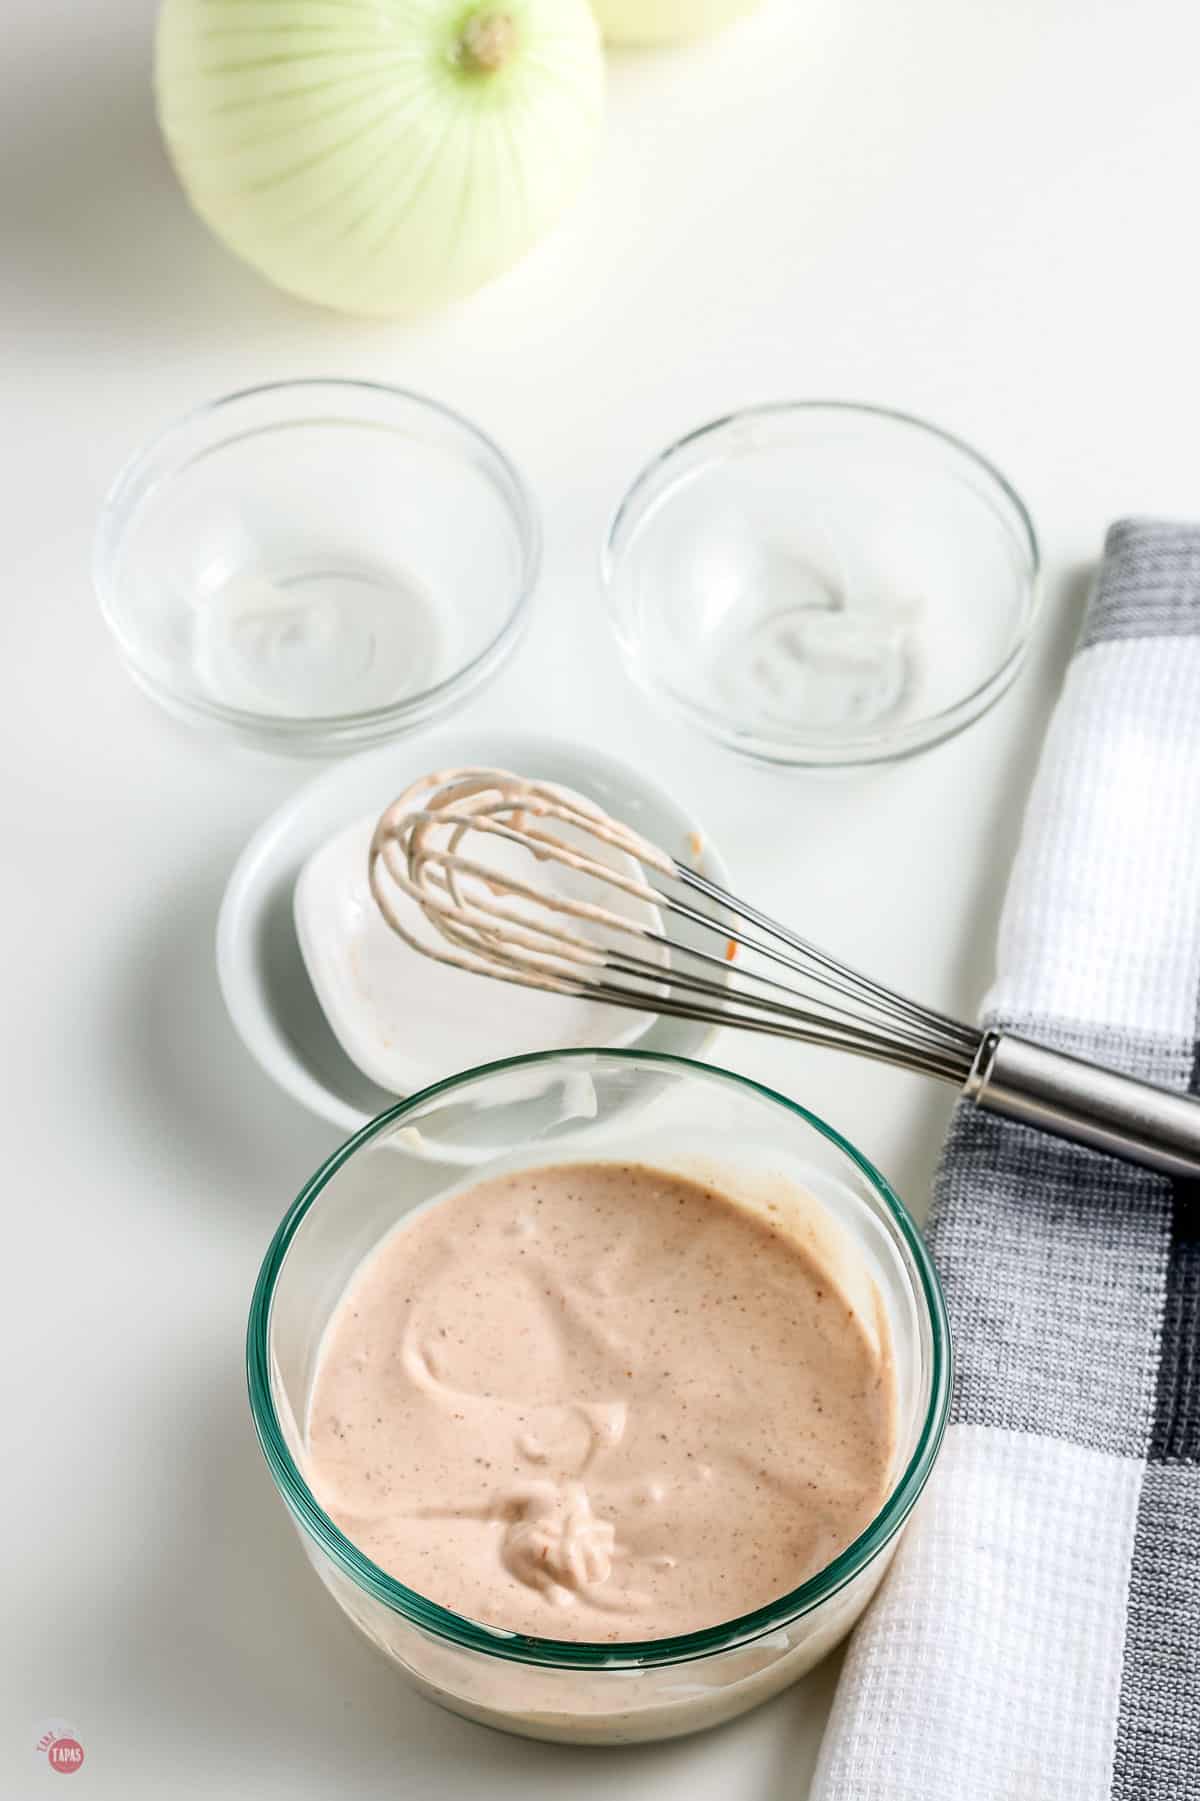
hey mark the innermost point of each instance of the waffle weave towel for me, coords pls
(1038, 1637)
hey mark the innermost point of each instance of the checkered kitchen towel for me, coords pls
(1038, 1636)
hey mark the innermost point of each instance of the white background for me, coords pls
(983, 211)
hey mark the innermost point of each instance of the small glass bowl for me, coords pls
(819, 583)
(565, 1106)
(315, 565)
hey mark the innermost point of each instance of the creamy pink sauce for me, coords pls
(600, 1401)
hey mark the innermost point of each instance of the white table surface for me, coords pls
(983, 213)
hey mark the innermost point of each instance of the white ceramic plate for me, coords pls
(270, 996)
(405, 1019)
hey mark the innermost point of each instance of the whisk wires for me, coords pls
(526, 882)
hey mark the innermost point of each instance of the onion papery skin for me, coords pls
(353, 151)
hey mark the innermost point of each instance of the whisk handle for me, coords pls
(1084, 1102)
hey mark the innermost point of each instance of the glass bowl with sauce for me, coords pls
(314, 566)
(479, 1154)
(819, 583)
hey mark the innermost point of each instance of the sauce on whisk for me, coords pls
(602, 1401)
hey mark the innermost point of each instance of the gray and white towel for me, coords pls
(1038, 1637)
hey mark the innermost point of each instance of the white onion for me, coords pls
(664, 21)
(379, 156)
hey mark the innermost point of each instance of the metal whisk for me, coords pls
(528, 883)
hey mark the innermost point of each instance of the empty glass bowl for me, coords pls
(822, 583)
(589, 1105)
(315, 565)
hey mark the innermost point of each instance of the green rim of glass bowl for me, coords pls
(137, 480)
(566, 1653)
(881, 745)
